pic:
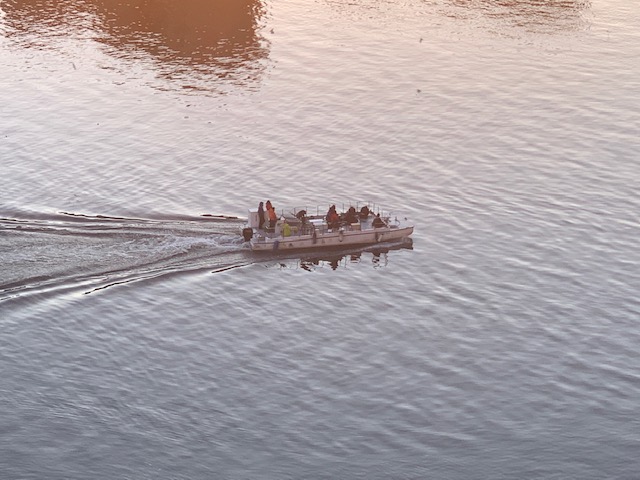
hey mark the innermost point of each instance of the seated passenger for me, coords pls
(333, 219)
(364, 212)
(302, 215)
(378, 222)
(351, 217)
(286, 229)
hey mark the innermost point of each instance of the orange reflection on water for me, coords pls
(190, 41)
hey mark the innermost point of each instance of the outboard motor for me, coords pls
(247, 233)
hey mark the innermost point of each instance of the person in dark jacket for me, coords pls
(351, 216)
(333, 219)
(378, 222)
(260, 216)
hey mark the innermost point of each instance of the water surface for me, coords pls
(141, 339)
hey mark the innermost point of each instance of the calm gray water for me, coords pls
(139, 339)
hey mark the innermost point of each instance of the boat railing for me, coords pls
(321, 210)
(305, 220)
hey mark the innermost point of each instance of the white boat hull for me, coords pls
(342, 238)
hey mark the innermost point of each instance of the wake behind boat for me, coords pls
(297, 229)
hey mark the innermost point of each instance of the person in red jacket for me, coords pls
(271, 213)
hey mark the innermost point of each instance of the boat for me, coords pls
(362, 223)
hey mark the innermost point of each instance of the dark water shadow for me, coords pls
(192, 44)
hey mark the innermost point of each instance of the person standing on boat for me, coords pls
(260, 216)
(271, 212)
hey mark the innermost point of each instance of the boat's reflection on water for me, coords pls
(377, 256)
